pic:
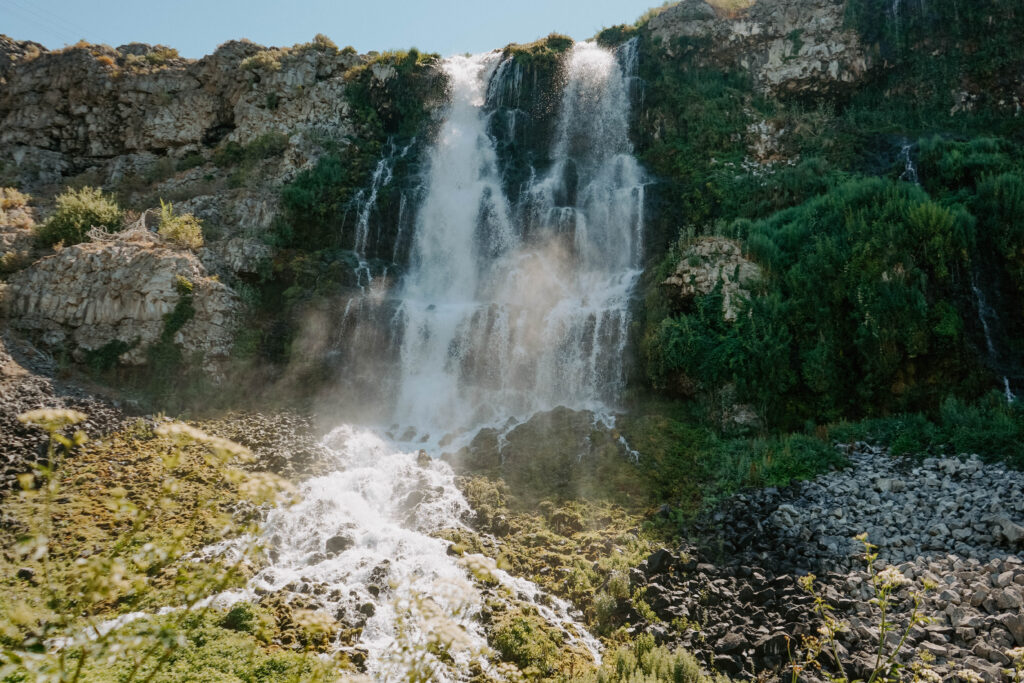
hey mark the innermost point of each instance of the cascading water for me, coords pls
(987, 317)
(909, 167)
(507, 308)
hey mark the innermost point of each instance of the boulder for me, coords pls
(709, 263)
(338, 544)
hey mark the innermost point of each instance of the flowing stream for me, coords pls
(508, 307)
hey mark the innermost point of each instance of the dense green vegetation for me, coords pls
(643, 661)
(544, 52)
(184, 230)
(689, 466)
(867, 307)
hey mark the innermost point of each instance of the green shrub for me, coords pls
(264, 60)
(320, 42)
(184, 230)
(246, 617)
(161, 55)
(312, 203)
(615, 35)
(544, 51)
(106, 357)
(11, 198)
(643, 662)
(990, 427)
(525, 640)
(77, 212)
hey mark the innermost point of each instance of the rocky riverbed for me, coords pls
(731, 594)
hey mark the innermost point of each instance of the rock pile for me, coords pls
(949, 528)
(909, 509)
(284, 443)
(741, 618)
(738, 618)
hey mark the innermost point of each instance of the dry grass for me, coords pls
(730, 8)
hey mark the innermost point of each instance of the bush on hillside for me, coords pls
(77, 212)
(184, 229)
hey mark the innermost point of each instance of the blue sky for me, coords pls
(196, 27)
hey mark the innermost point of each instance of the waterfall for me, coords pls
(909, 168)
(512, 309)
(366, 201)
(508, 307)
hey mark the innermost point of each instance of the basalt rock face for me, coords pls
(68, 110)
(788, 46)
(84, 297)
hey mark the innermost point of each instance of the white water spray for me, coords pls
(512, 310)
(909, 168)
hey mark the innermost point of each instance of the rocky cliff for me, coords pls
(286, 154)
(787, 46)
(119, 111)
(119, 295)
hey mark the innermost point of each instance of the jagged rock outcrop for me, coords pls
(86, 296)
(711, 262)
(95, 102)
(788, 46)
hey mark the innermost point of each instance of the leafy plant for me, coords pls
(885, 585)
(185, 230)
(77, 212)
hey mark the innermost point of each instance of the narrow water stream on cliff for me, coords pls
(510, 306)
